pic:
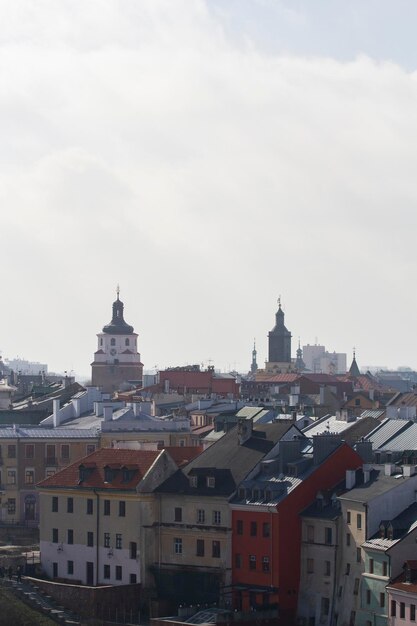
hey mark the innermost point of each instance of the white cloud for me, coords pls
(141, 145)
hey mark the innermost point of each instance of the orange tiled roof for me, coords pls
(185, 454)
(137, 461)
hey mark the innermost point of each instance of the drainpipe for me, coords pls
(97, 532)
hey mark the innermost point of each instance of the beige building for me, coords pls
(30, 454)
(98, 517)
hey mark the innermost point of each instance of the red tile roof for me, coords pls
(137, 461)
(183, 454)
(276, 378)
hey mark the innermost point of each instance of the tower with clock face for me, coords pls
(117, 360)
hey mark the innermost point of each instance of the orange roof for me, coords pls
(183, 454)
(276, 378)
(137, 461)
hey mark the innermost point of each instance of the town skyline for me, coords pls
(208, 158)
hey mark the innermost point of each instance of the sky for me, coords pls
(208, 156)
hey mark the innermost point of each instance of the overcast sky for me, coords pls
(208, 156)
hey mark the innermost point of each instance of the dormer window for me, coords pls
(241, 494)
(108, 474)
(211, 481)
(390, 532)
(382, 531)
(193, 481)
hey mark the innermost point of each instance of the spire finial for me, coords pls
(279, 301)
(354, 352)
(118, 290)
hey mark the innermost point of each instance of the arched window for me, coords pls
(101, 341)
(112, 341)
(126, 342)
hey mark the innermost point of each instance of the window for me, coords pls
(368, 596)
(55, 535)
(393, 608)
(193, 481)
(132, 579)
(89, 506)
(126, 342)
(70, 568)
(11, 477)
(122, 508)
(347, 569)
(70, 505)
(310, 566)
(310, 533)
(11, 451)
(358, 555)
(54, 504)
(328, 536)
(359, 521)
(382, 599)
(215, 549)
(238, 561)
(327, 568)
(133, 550)
(266, 529)
(118, 572)
(340, 591)
(90, 448)
(106, 507)
(348, 539)
(356, 587)
(252, 561)
(178, 545)
(384, 568)
(201, 516)
(239, 527)
(90, 539)
(11, 506)
(50, 454)
(118, 541)
(65, 451)
(217, 517)
(49, 472)
(106, 540)
(178, 514)
(265, 563)
(29, 476)
(112, 341)
(371, 566)
(253, 529)
(402, 610)
(106, 572)
(211, 481)
(348, 517)
(70, 536)
(200, 547)
(412, 612)
(29, 451)
(325, 605)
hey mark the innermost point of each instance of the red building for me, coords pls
(191, 380)
(266, 536)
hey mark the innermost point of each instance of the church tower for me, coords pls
(254, 364)
(117, 359)
(279, 345)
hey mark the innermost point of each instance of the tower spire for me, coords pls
(118, 290)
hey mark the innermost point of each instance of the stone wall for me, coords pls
(92, 601)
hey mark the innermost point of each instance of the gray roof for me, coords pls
(388, 429)
(377, 413)
(406, 440)
(8, 432)
(376, 486)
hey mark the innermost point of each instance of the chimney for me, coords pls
(371, 394)
(409, 470)
(389, 469)
(136, 408)
(322, 391)
(98, 409)
(56, 404)
(76, 403)
(294, 416)
(166, 386)
(366, 472)
(108, 413)
(364, 449)
(323, 446)
(244, 430)
(350, 479)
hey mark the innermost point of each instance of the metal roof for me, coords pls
(387, 430)
(405, 440)
(9, 432)
(326, 425)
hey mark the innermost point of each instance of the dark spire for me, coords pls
(354, 369)
(299, 363)
(254, 365)
(118, 325)
(279, 339)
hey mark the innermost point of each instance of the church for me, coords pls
(279, 346)
(117, 360)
